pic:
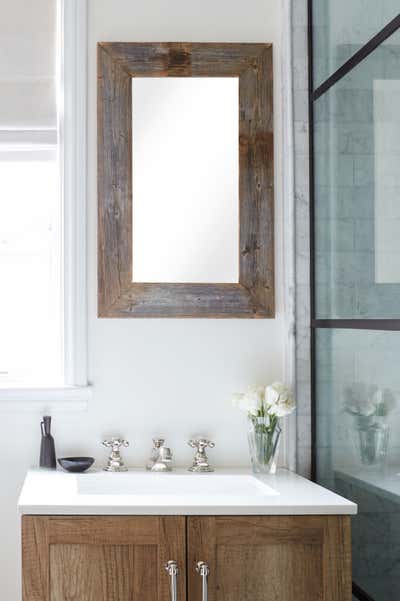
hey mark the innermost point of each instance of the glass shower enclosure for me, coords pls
(355, 274)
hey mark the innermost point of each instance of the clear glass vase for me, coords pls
(372, 440)
(264, 437)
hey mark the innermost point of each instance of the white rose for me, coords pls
(271, 396)
(282, 409)
(279, 400)
(250, 401)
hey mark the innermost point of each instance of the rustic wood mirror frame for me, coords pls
(253, 295)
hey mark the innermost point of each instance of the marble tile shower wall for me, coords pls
(347, 176)
(341, 24)
(302, 194)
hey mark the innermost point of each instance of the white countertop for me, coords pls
(137, 492)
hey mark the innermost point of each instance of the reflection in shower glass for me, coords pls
(358, 446)
(357, 190)
(342, 25)
(356, 263)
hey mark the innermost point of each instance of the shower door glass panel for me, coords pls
(356, 268)
(343, 26)
(358, 446)
(357, 190)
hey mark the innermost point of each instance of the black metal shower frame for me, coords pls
(315, 324)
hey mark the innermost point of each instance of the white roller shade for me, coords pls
(27, 64)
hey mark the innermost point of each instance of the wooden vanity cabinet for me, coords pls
(101, 558)
(250, 558)
(271, 558)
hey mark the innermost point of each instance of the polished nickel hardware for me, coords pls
(172, 569)
(161, 457)
(200, 460)
(115, 462)
(203, 569)
(157, 444)
(164, 461)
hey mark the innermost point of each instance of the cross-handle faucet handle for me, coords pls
(200, 460)
(201, 443)
(115, 462)
(115, 442)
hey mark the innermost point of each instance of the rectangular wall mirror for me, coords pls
(185, 159)
(192, 185)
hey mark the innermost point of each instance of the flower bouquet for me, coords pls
(265, 406)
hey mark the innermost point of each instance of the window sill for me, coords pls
(65, 398)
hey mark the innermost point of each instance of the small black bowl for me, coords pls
(76, 464)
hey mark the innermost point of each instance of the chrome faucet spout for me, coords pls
(161, 457)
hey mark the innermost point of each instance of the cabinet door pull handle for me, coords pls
(172, 569)
(203, 569)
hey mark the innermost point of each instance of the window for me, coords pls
(42, 205)
(30, 269)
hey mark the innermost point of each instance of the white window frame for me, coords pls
(72, 128)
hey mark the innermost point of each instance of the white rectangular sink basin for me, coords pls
(138, 492)
(182, 487)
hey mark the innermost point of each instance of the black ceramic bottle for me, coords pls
(47, 448)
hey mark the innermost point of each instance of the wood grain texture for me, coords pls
(114, 180)
(101, 558)
(174, 59)
(253, 295)
(185, 300)
(35, 559)
(337, 558)
(256, 176)
(103, 573)
(271, 558)
(259, 530)
(251, 558)
(94, 573)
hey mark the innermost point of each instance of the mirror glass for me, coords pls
(185, 179)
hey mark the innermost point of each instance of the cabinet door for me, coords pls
(271, 558)
(101, 558)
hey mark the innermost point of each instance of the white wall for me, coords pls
(169, 377)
